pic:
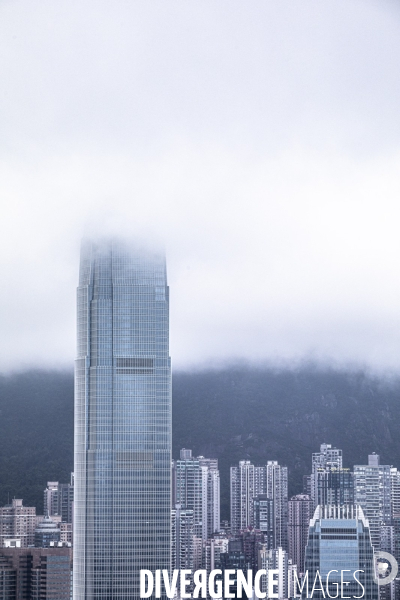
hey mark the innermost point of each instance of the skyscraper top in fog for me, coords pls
(122, 420)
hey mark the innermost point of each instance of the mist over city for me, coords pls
(200, 299)
(258, 141)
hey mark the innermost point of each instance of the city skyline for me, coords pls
(331, 536)
(258, 145)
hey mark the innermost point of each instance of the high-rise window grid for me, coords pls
(122, 421)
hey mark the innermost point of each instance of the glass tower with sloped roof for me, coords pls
(339, 544)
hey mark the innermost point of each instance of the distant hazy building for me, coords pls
(252, 540)
(247, 482)
(372, 491)
(50, 499)
(197, 551)
(182, 526)
(59, 500)
(47, 533)
(300, 511)
(196, 487)
(277, 490)
(182, 539)
(234, 560)
(335, 486)
(339, 539)
(18, 521)
(8, 579)
(263, 510)
(35, 573)
(225, 526)
(327, 459)
(395, 492)
(187, 487)
(307, 485)
(283, 583)
(212, 550)
(388, 544)
(210, 495)
(395, 551)
(66, 533)
(387, 539)
(390, 535)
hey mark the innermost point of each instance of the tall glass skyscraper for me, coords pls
(122, 421)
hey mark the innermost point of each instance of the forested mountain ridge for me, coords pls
(232, 414)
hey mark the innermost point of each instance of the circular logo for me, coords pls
(384, 560)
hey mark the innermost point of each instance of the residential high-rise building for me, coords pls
(277, 489)
(182, 542)
(372, 491)
(326, 460)
(339, 540)
(197, 552)
(388, 544)
(47, 533)
(8, 579)
(122, 505)
(35, 573)
(300, 511)
(66, 534)
(187, 487)
(264, 519)
(50, 499)
(212, 549)
(210, 495)
(283, 582)
(59, 500)
(335, 486)
(307, 485)
(395, 551)
(234, 560)
(395, 492)
(196, 487)
(252, 539)
(247, 481)
(19, 522)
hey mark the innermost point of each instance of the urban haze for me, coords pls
(258, 141)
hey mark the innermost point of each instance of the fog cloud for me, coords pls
(259, 140)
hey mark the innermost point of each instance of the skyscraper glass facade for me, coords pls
(122, 421)
(339, 540)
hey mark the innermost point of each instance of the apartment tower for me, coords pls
(299, 515)
(247, 482)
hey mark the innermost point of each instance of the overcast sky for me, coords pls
(259, 139)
